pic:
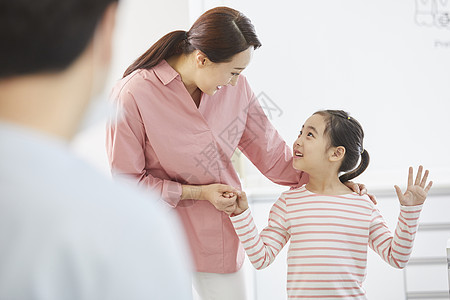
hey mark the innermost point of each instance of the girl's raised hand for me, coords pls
(416, 192)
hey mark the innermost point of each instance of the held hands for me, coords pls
(416, 192)
(240, 203)
(222, 196)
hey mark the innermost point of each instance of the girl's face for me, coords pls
(213, 76)
(312, 147)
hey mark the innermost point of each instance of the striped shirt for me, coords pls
(328, 235)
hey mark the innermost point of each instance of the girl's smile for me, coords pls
(297, 154)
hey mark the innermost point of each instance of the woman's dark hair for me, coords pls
(219, 33)
(345, 131)
(45, 35)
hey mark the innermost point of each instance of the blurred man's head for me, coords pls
(45, 35)
(54, 55)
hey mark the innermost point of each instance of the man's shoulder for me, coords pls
(44, 173)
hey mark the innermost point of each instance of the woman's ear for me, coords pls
(338, 153)
(201, 59)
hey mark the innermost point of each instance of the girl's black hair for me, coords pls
(347, 132)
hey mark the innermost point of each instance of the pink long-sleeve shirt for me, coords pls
(160, 139)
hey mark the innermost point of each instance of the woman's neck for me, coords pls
(327, 185)
(182, 64)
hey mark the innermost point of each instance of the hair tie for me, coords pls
(348, 118)
(186, 35)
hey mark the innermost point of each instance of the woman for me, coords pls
(182, 110)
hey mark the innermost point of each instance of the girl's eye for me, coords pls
(310, 134)
(235, 74)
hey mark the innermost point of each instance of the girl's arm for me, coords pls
(261, 248)
(396, 249)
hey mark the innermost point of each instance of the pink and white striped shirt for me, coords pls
(329, 235)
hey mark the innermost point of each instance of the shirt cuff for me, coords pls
(243, 216)
(172, 192)
(411, 208)
(410, 214)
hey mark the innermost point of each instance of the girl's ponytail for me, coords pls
(347, 132)
(363, 164)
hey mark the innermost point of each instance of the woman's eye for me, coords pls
(235, 74)
(310, 134)
(299, 134)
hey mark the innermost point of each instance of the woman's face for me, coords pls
(213, 76)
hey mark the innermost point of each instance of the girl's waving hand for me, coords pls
(416, 192)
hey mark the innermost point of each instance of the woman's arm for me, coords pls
(125, 144)
(265, 148)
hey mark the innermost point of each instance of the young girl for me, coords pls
(330, 226)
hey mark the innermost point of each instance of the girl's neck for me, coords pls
(327, 185)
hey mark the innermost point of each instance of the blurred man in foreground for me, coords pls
(66, 232)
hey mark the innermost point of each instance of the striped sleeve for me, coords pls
(263, 248)
(395, 248)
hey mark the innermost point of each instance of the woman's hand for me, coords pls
(360, 188)
(416, 192)
(222, 196)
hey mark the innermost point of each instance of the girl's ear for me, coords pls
(338, 153)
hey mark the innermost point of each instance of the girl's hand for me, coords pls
(360, 188)
(232, 207)
(241, 204)
(416, 192)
